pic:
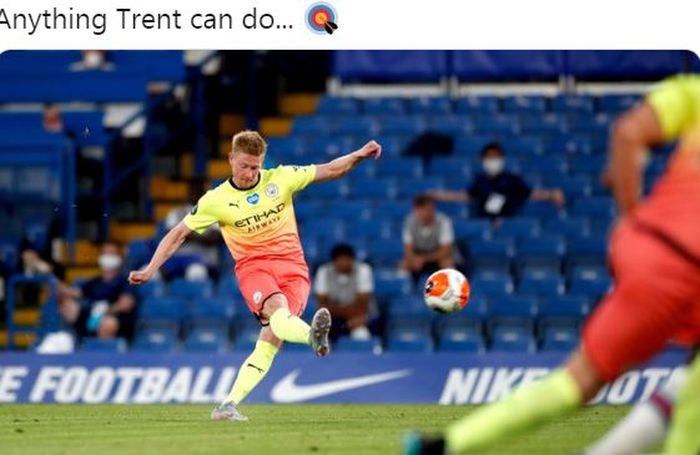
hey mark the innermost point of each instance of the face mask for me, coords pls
(493, 166)
(109, 262)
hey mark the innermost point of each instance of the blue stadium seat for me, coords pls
(357, 125)
(492, 283)
(472, 229)
(161, 312)
(543, 124)
(459, 341)
(384, 188)
(529, 104)
(405, 125)
(386, 252)
(573, 103)
(524, 146)
(589, 272)
(616, 103)
(389, 285)
(553, 168)
(206, 339)
(540, 209)
(210, 313)
(562, 338)
(512, 339)
(592, 165)
(477, 105)
(574, 187)
(399, 344)
(400, 167)
(407, 189)
(439, 166)
(470, 145)
(570, 144)
(594, 207)
(190, 290)
(518, 228)
(586, 251)
(139, 252)
(228, 287)
(114, 345)
(347, 344)
(587, 123)
(542, 253)
(288, 147)
(430, 105)
(453, 125)
(540, 283)
(9, 252)
(497, 124)
(327, 228)
(377, 229)
(337, 105)
(158, 339)
(594, 289)
(384, 106)
(569, 228)
(490, 253)
(567, 306)
(152, 288)
(312, 125)
(408, 307)
(246, 335)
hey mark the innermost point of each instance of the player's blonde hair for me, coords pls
(248, 142)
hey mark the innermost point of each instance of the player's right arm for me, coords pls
(203, 215)
(166, 248)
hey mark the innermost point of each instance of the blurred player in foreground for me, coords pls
(254, 210)
(655, 259)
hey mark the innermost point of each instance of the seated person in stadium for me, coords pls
(496, 192)
(428, 239)
(345, 287)
(109, 307)
(92, 60)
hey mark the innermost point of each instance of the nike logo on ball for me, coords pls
(288, 391)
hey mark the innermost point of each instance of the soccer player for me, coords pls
(655, 258)
(254, 210)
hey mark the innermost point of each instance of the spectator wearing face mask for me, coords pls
(105, 305)
(497, 192)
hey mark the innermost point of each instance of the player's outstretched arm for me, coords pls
(342, 165)
(167, 246)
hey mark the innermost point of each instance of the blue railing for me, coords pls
(51, 306)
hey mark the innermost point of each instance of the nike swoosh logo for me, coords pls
(288, 391)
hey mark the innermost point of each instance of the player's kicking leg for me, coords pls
(283, 326)
(646, 424)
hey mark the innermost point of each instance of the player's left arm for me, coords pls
(342, 165)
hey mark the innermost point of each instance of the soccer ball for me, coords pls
(446, 291)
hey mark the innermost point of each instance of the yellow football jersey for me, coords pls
(257, 222)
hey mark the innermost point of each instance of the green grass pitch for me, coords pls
(272, 429)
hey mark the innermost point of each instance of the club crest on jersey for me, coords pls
(271, 190)
(257, 296)
(253, 198)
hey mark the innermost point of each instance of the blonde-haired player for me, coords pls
(255, 212)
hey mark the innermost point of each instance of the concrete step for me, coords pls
(81, 272)
(124, 232)
(275, 126)
(218, 169)
(163, 189)
(298, 103)
(161, 209)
